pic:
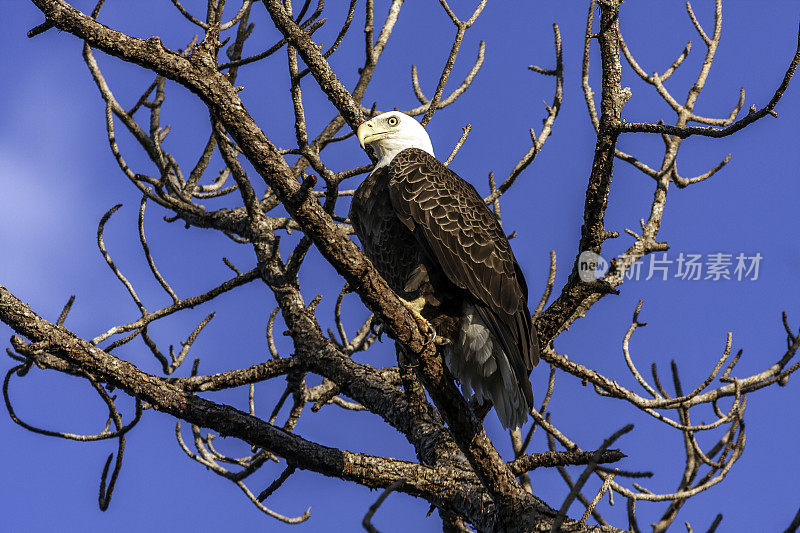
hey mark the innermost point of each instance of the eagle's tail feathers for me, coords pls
(483, 369)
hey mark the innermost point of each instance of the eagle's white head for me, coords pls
(390, 133)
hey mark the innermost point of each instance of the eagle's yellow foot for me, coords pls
(415, 306)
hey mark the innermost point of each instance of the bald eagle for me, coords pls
(442, 250)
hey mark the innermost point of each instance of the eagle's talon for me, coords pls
(430, 334)
(376, 328)
(414, 307)
(442, 341)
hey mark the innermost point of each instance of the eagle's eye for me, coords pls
(392, 121)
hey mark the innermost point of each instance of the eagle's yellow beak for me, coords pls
(368, 132)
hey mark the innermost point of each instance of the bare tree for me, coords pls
(459, 471)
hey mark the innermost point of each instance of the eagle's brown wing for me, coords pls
(452, 221)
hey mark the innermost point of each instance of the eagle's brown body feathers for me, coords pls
(430, 235)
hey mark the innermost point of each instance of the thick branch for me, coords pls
(372, 471)
(577, 296)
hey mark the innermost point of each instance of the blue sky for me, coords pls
(58, 178)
